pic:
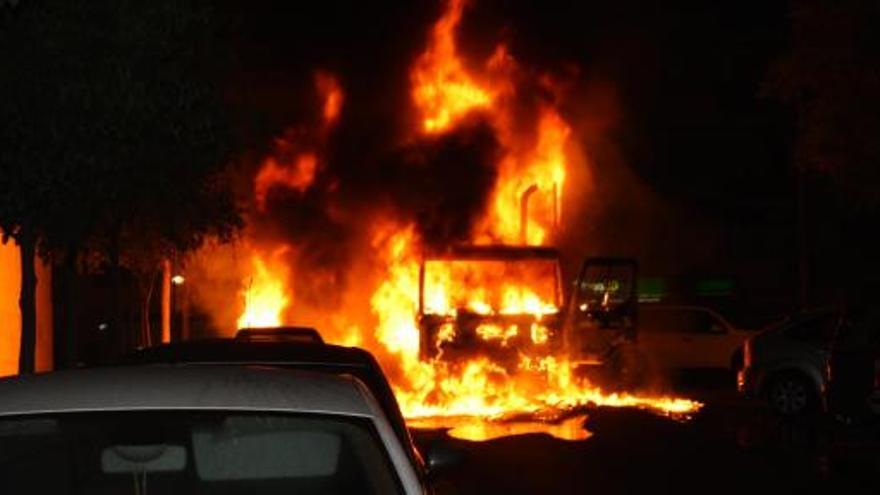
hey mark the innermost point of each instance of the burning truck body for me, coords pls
(509, 302)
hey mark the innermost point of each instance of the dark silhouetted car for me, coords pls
(787, 363)
(854, 367)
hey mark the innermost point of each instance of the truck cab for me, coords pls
(508, 302)
(495, 301)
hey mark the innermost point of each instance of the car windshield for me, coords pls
(814, 327)
(167, 452)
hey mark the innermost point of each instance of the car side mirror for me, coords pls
(442, 457)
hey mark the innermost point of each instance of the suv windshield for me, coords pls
(192, 452)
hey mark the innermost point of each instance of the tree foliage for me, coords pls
(111, 120)
(114, 135)
(831, 78)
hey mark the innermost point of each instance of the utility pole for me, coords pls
(802, 239)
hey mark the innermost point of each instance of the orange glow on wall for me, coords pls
(10, 279)
(10, 316)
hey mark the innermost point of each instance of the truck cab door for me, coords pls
(602, 309)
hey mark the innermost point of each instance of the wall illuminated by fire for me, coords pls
(10, 316)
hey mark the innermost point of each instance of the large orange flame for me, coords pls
(442, 88)
(526, 204)
(266, 295)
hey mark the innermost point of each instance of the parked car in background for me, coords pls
(688, 337)
(787, 363)
(186, 429)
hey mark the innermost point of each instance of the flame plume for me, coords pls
(266, 295)
(443, 90)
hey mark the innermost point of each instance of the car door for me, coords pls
(679, 337)
(603, 308)
(694, 338)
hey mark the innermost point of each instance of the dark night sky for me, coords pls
(688, 74)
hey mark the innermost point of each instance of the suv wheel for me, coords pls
(790, 394)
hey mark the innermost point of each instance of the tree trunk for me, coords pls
(64, 293)
(28, 302)
(146, 337)
(803, 240)
(118, 325)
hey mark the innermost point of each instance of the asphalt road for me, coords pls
(731, 446)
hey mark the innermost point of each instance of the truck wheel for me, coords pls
(791, 394)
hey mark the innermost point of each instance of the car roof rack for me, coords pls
(279, 334)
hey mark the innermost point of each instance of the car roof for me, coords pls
(236, 351)
(681, 308)
(163, 387)
(279, 334)
(673, 307)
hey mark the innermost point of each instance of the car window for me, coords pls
(679, 321)
(859, 330)
(193, 452)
